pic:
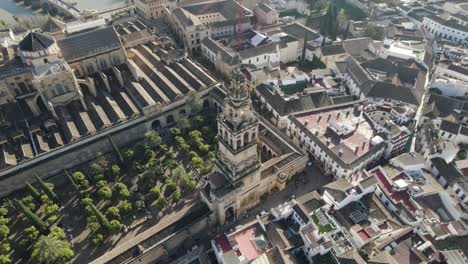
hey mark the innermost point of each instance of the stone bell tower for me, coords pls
(237, 134)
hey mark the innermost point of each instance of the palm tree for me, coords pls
(194, 102)
(51, 249)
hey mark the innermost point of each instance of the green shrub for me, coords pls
(5, 247)
(112, 212)
(102, 184)
(175, 197)
(155, 192)
(4, 232)
(5, 259)
(115, 226)
(170, 186)
(161, 203)
(125, 206)
(31, 233)
(80, 180)
(122, 190)
(97, 239)
(105, 193)
(51, 209)
(140, 204)
(175, 132)
(4, 220)
(28, 201)
(96, 169)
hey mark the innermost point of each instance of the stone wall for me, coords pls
(51, 164)
(86, 149)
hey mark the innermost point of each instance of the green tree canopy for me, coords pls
(51, 250)
(194, 101)
(375, 32)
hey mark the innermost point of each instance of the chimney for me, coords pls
(328, 118)
(347, 114)
(338, 115)
(363, 145)
(340, 153)
(319, 118)
(328, 142)
(356, 150)
(306, 123)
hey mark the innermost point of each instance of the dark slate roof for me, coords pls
(449, 127)
(446, 105)
(338, 189)
(357, 72)
(301, 212)
(390, 91)
(459, 69)
(265, 8)
(36, 41)
(449, 23)
(332, 50)
(52, 25)
(260, 50)
(301, 103)
(180, 14)
(449, 171)
(298, 31)
(382, 65)
(464, 130)
(215, 47)
(89, 43)
(356, 46)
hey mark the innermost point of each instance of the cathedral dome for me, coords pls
(35, 42)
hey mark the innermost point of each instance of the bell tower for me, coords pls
(237, 133)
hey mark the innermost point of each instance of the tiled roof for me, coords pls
(265, 8)
(301, 103)
(257, 51)
(449, 171)
(332, 50)
(338, 189)
(390, 91)
(449, 127)
(52, 25)
(89, 43)
(302, 213)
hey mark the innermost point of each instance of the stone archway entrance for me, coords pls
(156, 125)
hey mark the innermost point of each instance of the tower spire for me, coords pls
(238, 89)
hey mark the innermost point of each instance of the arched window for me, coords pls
(170, 119)
(246, 138)
(253, 136)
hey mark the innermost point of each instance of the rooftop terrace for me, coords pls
(343, 129)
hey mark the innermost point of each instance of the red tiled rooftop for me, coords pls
(246, 243)
(383, 182)
(363, 235)
(358, 139)
(223, 243)
(397, 197)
